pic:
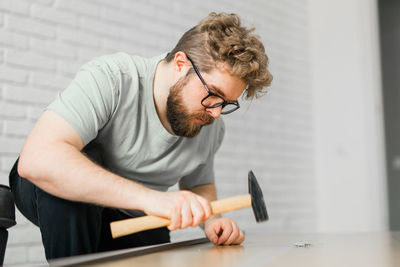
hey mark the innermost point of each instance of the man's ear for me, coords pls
(181, 62)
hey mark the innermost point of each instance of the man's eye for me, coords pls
(214, 92)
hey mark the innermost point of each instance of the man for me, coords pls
(126, 129)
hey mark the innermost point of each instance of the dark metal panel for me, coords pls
(389, 20)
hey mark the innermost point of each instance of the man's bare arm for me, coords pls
(52, 159)
(208, 191)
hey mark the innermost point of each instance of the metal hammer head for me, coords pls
(257, 199)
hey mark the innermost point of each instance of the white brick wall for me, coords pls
(43, 43)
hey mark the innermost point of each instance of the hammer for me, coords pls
(254, 198)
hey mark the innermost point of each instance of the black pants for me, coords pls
(72, 228)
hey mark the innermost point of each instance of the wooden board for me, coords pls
(261, 249)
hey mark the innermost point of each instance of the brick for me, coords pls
(50, 14)
(116, 46)
(142, 50)
(141, 8)
(143, 38)
(45, 2)
(33, 113)
(24, 235)
(36, 254)
(7, 162)
(107, 3)
(55, 82)
(1, 56)
(31, 27)
(15, 255)
(1, 19)
(30, 60)
(4, 178)
(17, 128)
(13, 75)
(53, 48)
(118, 17)
(18, 7)
(10, 145)
(11, 111)
(21, 219)
(78, 38)
(14, 40)
(161, 31)
(100, 27)
(69, 68)
(87, 55)
(28, 95)
(80, 7)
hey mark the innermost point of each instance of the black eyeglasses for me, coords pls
(213, 100)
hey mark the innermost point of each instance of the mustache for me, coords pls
(208, 119)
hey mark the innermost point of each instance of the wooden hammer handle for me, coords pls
(134, 225)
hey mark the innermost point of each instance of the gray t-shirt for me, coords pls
(110, 103)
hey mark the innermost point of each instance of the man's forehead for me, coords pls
(222, 82)
(216, 89)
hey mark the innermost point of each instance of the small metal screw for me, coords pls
(302, 244)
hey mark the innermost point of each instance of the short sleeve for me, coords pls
(205, 174)
(221, 135)
(88, 103)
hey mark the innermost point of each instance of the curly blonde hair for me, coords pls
(220, 38)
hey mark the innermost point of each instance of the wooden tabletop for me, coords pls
(261, 249)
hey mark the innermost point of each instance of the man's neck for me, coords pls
(161, 87)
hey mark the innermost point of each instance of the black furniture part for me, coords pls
(7, 217)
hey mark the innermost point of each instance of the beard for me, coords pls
(182, 122)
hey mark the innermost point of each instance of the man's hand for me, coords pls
(223, 231)
(183, 208)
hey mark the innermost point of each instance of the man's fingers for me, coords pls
(188, 210)
(234, 234)
(226, 232)
(240, 238)
(213, 234)
(175, 219)
(186, 215)
(206, 207)
(197, 211)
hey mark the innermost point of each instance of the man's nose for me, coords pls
(215, 112)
